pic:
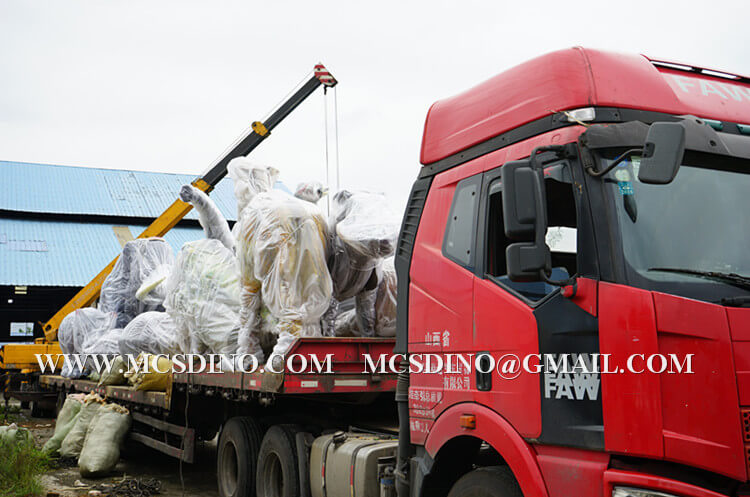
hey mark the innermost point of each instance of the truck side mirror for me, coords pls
(662, 153)
(525, 219)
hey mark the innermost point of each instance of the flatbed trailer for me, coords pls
(198, 404)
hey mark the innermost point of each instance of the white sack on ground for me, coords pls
(12, 434)
(213, 222)
(65, 421)
(101, 449)
(153, 332)
(73, 443)
(203, 298)
(281, 250)
(81, 327)
(139, 259)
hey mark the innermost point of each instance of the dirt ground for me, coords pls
(136, 461)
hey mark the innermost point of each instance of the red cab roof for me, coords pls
(575, 78)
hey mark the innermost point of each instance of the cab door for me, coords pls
(514, 321)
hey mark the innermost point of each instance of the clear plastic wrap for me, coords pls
(250, 180)
(153, 291)
(366, 225)
(153, 332)
(106, 433)
(214, 225)
(310, 191)
(363, 231)
(380, 303)
(281, 250)
(385, 301)
(139, 258)
(107, 343)
(203, 298)
(79, 328)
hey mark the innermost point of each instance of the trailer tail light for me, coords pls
(468, 421)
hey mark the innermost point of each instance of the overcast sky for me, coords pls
(168, 85)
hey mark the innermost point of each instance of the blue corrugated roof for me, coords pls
(71, 252)
(56, 189)
(63, 253)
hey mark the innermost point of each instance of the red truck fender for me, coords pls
(496, 431)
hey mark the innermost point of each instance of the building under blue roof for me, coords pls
(61, 225)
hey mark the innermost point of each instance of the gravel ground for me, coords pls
(136, 461)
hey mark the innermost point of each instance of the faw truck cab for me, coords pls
(589, 204)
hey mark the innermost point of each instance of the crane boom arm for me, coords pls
(174, 213)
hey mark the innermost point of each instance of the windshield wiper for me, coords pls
(731, 278)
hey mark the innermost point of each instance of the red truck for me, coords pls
(583, 204)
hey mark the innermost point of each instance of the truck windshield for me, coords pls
(690, 237)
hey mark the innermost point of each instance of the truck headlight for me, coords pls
(638, 492)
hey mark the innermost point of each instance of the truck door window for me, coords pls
(561, 238)
(460, 231)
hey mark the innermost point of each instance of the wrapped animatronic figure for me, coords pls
(281, 250)
(140, 259)
(363, 232)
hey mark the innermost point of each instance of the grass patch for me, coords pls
(21, 464)
(10, 414)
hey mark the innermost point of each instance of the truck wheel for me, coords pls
(277, 467)
(492, 481)
(237, 457)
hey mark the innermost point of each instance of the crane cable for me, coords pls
(336, 141)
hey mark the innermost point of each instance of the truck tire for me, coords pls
(277, 474)
(237, 457)
(492, 481)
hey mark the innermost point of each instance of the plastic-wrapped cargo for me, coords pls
(153, 332)
(79, 328)
(203, 299)
(152, 290)
(310, 191)
(366, 225)
(139, 259)
(96, 348)
(66, 419)
(105, 435)
(249, 180)
(213, 222)
(363, 232)
(349, 324)
(73, 443)
(281, 250)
